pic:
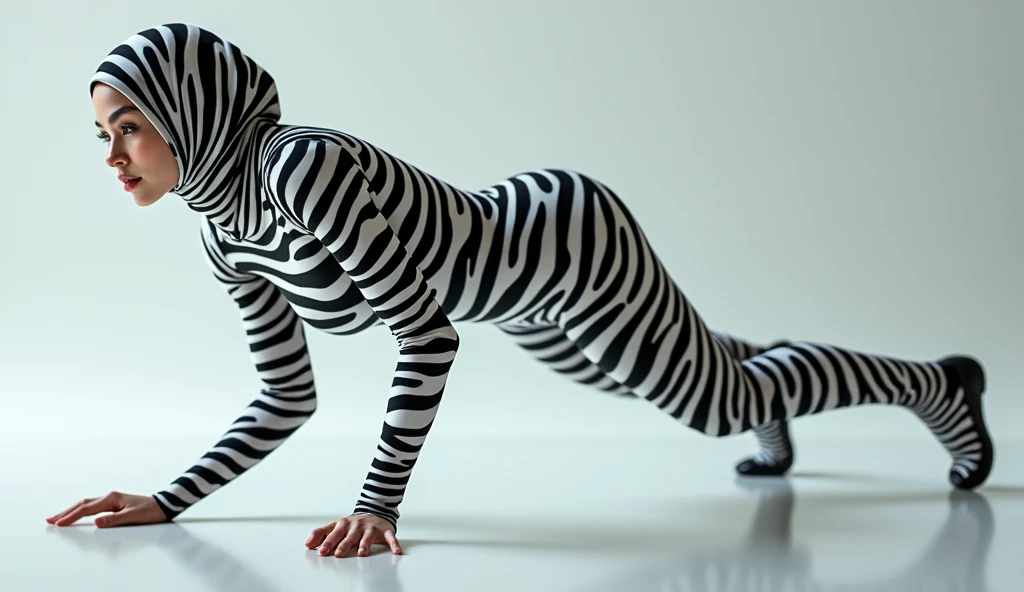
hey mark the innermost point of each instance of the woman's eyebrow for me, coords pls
(118, 113)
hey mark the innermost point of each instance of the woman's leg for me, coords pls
(628, 317)
(549, 345)
(775, 453)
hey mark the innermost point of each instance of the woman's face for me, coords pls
(135, 149)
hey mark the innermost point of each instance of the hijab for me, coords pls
(212, 104)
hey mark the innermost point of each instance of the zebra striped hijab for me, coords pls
(205, 97)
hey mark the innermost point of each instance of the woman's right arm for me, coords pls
(277, 345)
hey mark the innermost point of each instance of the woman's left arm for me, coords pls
(320, 186)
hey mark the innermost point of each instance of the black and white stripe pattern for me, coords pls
(549, 345)
(315, 225)
(773, 438)
(277, 346)
(324, 192)
(775, 453)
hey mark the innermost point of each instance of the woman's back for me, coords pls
(489, 254)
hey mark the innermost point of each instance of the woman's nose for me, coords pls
(115, 156)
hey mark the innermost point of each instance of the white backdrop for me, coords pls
(848, 174)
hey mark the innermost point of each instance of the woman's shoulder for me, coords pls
(295, 139)
(300, 152)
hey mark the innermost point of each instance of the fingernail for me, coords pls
(103, 521)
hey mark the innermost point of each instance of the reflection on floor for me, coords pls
(767, 558)
(869, 527)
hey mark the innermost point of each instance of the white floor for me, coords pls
(546, 514)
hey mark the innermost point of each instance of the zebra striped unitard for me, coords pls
(311, 226)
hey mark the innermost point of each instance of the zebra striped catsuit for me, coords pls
(311, 225)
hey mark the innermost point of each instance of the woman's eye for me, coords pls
(125, 130)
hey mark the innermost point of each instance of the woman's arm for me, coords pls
(277, 345)
(320, 187)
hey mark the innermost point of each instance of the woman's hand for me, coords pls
(126, 508)
(363, 530)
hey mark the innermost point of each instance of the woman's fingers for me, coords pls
(357, 532)
(58, 518)
(54, 518)
(334, 537)
(370, 535)
(70, 508)
(125, 509)
(389, 536)
(349, 541)
(88, 508)
(81, 511)
(319, 534)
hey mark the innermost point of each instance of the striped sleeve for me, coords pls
(286, 400)
(320, 187)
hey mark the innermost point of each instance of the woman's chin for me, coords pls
(143, 200)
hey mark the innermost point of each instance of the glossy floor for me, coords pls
(536, 514)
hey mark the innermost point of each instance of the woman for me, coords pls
(311, 224)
